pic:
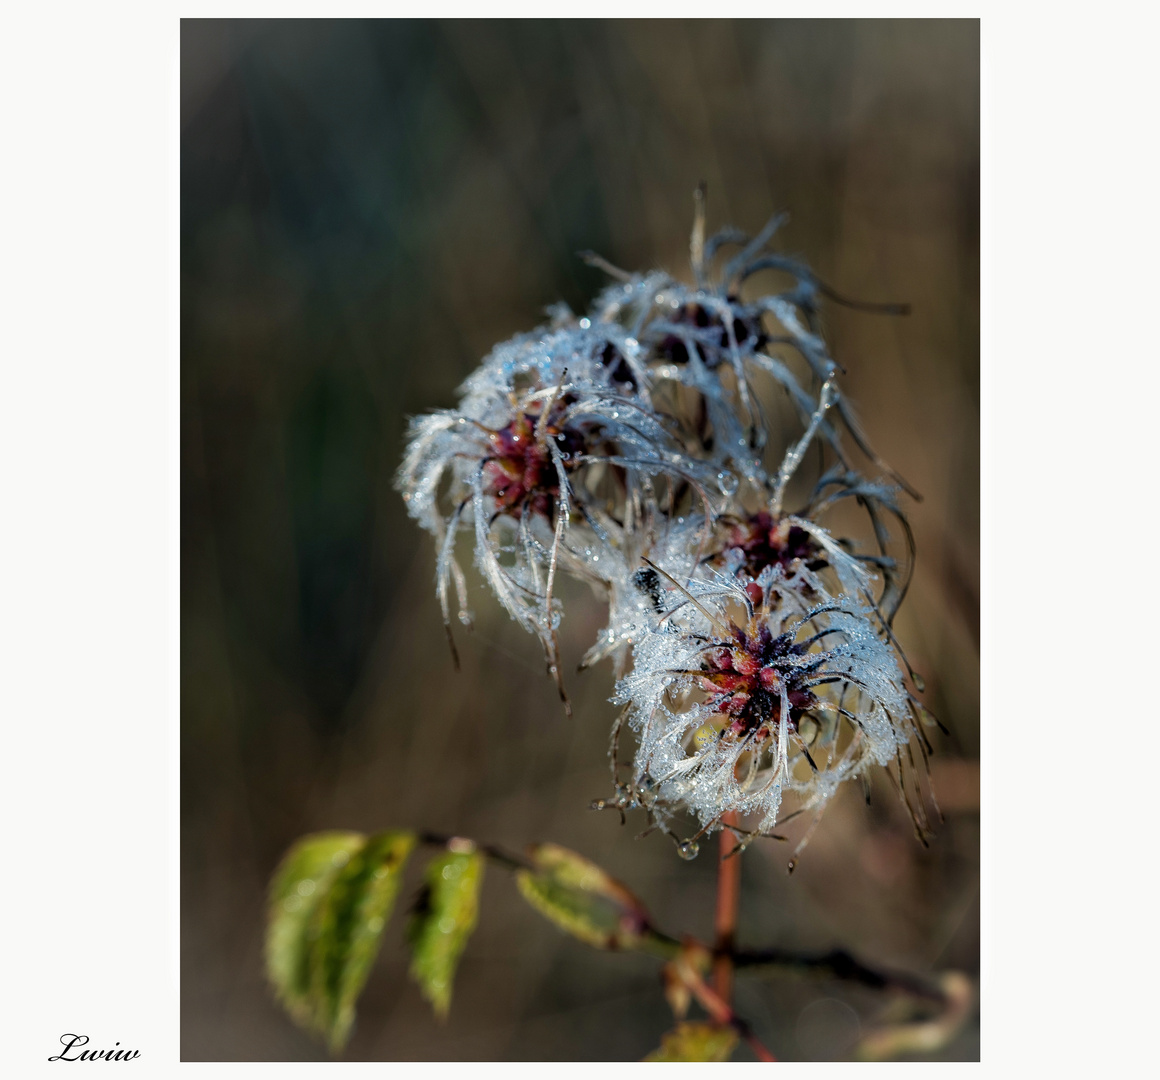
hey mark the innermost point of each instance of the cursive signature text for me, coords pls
(74, 1042)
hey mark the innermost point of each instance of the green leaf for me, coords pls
(347, 927)
(693, 1041)
(299, 883)
(443, 920)
(582, 900)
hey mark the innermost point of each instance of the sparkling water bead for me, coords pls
(688, 849)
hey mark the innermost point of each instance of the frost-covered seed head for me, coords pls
(628, 448)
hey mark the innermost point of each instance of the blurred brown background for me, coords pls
(365, 209)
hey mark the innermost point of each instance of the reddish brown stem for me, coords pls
(721, 1011)
(728, 889)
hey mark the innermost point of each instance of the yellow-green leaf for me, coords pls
(443, 921)
(690, 964)
(582, 899)
(300, 881)
(347, 927)
(696, 1041)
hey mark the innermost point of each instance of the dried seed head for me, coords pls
(741, 692)
(627, 448)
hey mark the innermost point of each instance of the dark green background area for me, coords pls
(365, 209)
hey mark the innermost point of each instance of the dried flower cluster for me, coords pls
(629, 448)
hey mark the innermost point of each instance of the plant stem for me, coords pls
(723, 1013)
(725, 924)
(839, 964)
(496, 854)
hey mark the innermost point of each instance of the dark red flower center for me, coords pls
(766, 542)
(521, 474)
(746, 677)
(673, 348)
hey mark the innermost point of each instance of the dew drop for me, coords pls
(688, 849)
(585, 323)
(919, 682)
(790, 867)
(727, 482)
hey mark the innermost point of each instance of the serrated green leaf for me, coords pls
(696, 1041)
(443, 921)
(582, 899)
(299, 883)
(347, 928)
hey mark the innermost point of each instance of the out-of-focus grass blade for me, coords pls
(582, 899)
(299, 883)
(693, 1041)
(347, 927)
(443, 920)
(922, 1036)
